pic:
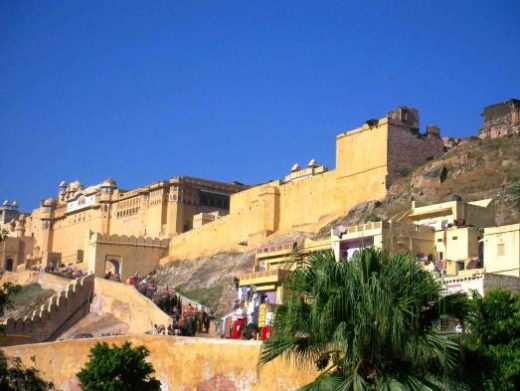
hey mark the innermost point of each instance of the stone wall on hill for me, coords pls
(501, 120)
(54, 317)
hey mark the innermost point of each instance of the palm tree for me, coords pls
(368, 324)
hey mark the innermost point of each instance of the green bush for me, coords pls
(118, 368)
(493, 344)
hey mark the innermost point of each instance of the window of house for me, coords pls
(454, 237)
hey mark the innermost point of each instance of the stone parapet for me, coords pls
(181, 363)
(133, 240)
(59, 313)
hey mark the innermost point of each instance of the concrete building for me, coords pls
(392, 237)
(274, 263)
(455, 239)
(502, 250)
(458, 227)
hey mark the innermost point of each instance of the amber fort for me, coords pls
(185, 217)
(103, 228)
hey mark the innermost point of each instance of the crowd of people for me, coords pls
(186, 323)
(112, 276)
(250, 319)
(64, 271)
(187, 319)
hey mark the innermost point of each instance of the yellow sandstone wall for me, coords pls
(181, 364)
(134, 254)
(68, 235)
(128, 305)
(276, 207)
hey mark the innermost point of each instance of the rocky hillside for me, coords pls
(211, 281)
(474, 169)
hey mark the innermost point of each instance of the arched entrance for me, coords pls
(113, 266)
(9, 264)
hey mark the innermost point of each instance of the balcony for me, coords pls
(265, 277)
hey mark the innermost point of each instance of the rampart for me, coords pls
(367, 159)
(55, 316)
(131, 254)
(501, 119)
(181, 363)
(46, 280)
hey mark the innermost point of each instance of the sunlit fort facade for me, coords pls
(130, 231)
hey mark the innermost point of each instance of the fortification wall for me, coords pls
(181, 363)
(55, 316)
(46, 280)
(501, 120)
(68, 233)
(135, 254)
(127, 304)
(17, 249)
(406, 150)
(278, 208)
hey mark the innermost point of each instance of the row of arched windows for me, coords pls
(127, 212)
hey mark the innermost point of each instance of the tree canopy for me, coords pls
(370, 323)
(118, 368)
(492, 346)
(15, 377)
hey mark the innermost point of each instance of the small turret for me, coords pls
(433, 131)
(109, 182)
(295, 167)
(49, 202)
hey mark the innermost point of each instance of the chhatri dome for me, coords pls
(49, 201)
(295, 167)
(76, 185)
(109, 182)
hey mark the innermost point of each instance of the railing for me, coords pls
(275, 248)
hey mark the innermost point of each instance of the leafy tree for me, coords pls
(118, 368)
(493, 343)
(371, 323)
(7, 291)
(14, 377)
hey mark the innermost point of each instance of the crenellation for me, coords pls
(45, 320)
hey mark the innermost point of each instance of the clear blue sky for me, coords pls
(232, 90)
